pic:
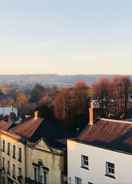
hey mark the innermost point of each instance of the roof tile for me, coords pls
(109, 133)
(28, 127)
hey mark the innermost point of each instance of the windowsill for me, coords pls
(83, 167)
(110, 176)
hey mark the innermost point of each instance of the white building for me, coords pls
(102, 154)
(8, 110)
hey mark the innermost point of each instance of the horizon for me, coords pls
(37, 74)
(101, 68)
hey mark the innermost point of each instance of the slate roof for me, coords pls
(111, 134)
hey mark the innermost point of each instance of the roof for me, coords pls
(111, 134)
(36, 129)
(27, 128)
(12, 135)
(4, 125)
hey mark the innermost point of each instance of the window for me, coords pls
(84, 161)
(20, 178)
(35, 174)
(3, 162)
(3, 149)
(20, 155)
(14, 171)
(45, 177)
(8, 167)
(40, 173)
(19, 172)
(110, 169)
(78, 180)
(69, 180)
(8, 149)
(14, 151)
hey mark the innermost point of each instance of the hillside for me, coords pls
(59, 80)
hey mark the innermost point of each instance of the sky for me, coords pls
(65, 37)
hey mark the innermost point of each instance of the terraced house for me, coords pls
(102, 154)
(12, 158)
(29, 156)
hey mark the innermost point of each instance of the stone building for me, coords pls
(29, 153)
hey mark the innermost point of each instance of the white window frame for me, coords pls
(84, 162)
(78, 180)
(110, 169)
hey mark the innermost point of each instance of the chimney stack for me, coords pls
(36, 115)
(94, 105)
(91, 114)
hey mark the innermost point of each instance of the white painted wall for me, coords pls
(7, 110)
(97, 162)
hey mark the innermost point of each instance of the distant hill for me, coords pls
(59, 80)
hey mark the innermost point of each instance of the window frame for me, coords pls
(3, 162)
(78, 180)
(20, 154)
(3, 145)
(14, 171)
(19, 171)
(8, 167)
(14, 151)
(85, 162)
(110, 169)
(8, 148)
